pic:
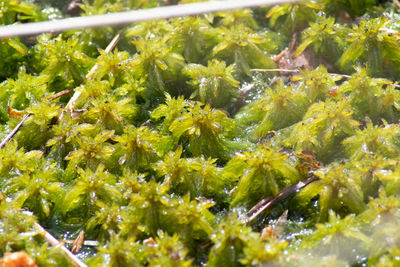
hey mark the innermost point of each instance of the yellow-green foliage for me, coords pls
(175, 137)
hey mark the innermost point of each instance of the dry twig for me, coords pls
(54, 242)
(268, 202)
(71, 103)
(280, 55)
(26, 116)
(60, 94)
(14, 131)
(275, 70)
(78, 242)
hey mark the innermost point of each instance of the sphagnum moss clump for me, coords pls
(173, 150)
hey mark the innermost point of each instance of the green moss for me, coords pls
(175, 137)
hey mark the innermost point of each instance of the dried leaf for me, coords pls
(78, 242)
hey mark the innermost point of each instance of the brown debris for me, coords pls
(307, 163)
(276, 232)
(280, 55)
(280, 224)
(14, 113)
(55, 243)
(60, 94)
(70, 107)
(17, 259)
(333, 91)
(149, 242)
(268, 202)
(288, 61)
(267, 233)
(78, 242)
(73, 8)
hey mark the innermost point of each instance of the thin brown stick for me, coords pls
(260, 204)
(275, 70)
(60, 94)
(108, 49)
(54, 242)
(14, 131)
(264, 204)
(397, 3)
(280, 55)
(26, 116)
(73, 99)
(78, 242)
(74, 260)
(71, 103)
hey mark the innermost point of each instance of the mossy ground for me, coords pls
(176, 136)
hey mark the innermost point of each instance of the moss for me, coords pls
(176, 137)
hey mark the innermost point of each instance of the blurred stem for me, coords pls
(55, 243)
(268, 202)
(14, 131)
(71, 103)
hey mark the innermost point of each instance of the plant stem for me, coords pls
(268, 202)
(60, 94)
(54, 242)
(275, 70)
(14, 131)
(71, 103)
(74, 98)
